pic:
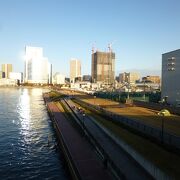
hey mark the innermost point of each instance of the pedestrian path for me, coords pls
(128, 166)
(83, 157)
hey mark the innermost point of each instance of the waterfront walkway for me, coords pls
(84, 158)
(128, 166)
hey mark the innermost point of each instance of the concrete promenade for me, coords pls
(84, 160)
(128, 166)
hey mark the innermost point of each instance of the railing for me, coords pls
(104, 156)
(147, 130)
(146, 164)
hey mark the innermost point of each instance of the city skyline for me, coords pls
(140, 32)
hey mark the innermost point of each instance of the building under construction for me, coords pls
(103, 67)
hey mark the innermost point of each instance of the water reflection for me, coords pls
(36, 92)
(28, 116)
(24, 130)
(23, 109)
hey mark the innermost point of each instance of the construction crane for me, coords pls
(110, 61)
(110, 46)
(93, 47)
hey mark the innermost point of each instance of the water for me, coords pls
(25, 129)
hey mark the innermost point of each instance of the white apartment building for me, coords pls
(16, 76)
(58, 78)
(37, 67)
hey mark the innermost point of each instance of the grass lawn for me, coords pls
(166, 161)
(144, 115)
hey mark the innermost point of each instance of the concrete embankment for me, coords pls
(80, 156)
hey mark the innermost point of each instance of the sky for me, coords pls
(139, 30)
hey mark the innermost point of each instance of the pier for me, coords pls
(80, 156)
(90, 153)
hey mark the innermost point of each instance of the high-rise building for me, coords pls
(37, 68)
(170, 77)
(103, 67)
(6, 68)
(75, 70)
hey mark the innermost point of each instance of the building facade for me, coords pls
(130, 77)
(171, 77)
(2, 74)
(122, 78)
(87, 78)
(16, 76)
(152, 79)
(6, 69)
(59, 78)
(8, 82)
(103, 67)
(75, 69)
(37, 68)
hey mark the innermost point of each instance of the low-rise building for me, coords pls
(8, 82)
(130, 77)
(87, 78)
(2, 74)
(16, 76)
(59, 79)
(152, 79)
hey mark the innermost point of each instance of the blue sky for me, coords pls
(141, 31)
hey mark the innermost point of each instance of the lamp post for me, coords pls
(163, 113)
(94, 99)
(83, 122)
(162, 128)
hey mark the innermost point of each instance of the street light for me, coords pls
(94, 99)
(83, 122)
(162, 113)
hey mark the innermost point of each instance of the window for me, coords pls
(171, 64)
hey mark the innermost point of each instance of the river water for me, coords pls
(25, 130)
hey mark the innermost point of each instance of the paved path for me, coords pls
(120, 158)
(82, 154)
